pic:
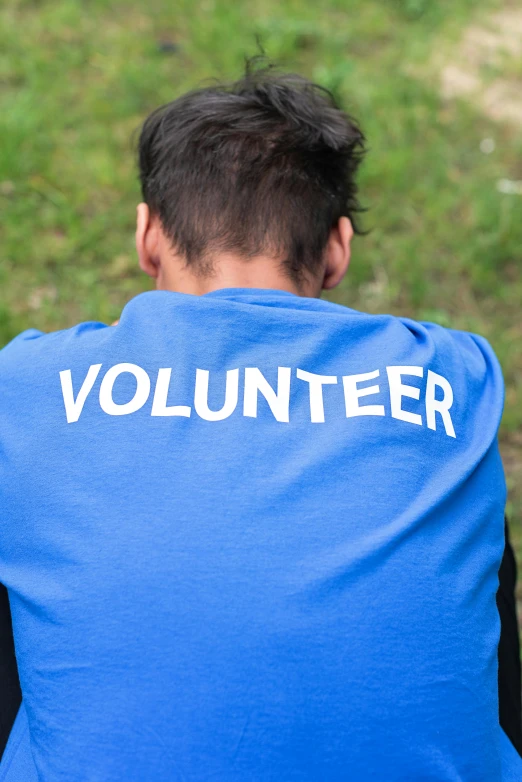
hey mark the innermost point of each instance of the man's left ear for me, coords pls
(337, 253)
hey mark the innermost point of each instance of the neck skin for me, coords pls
(229, 271)
(159, 260)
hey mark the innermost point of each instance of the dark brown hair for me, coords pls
(266, 165)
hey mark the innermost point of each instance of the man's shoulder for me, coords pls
(471, 350)
(29, 349)
(459, 350)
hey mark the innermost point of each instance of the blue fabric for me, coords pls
(17, 761)
(231, 557)
(511, 761)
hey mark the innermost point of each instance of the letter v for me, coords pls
(74, 407)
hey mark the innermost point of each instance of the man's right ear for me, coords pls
(147, 244)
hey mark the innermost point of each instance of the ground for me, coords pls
(436, 87)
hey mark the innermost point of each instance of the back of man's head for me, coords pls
(265, 165)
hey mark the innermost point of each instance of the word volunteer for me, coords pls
(278, 399)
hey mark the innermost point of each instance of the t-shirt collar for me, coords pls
(249, 292)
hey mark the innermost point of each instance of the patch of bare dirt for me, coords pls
(494, 44)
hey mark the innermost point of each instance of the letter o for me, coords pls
(141, 394)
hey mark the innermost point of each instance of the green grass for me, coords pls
(77, 79)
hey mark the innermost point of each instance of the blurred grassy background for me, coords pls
(77, 78)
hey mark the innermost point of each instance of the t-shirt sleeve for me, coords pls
(478, 355)
(15, 347)
(469, 363)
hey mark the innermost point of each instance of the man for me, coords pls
(250, 534)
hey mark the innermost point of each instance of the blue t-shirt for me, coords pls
(254, 536)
